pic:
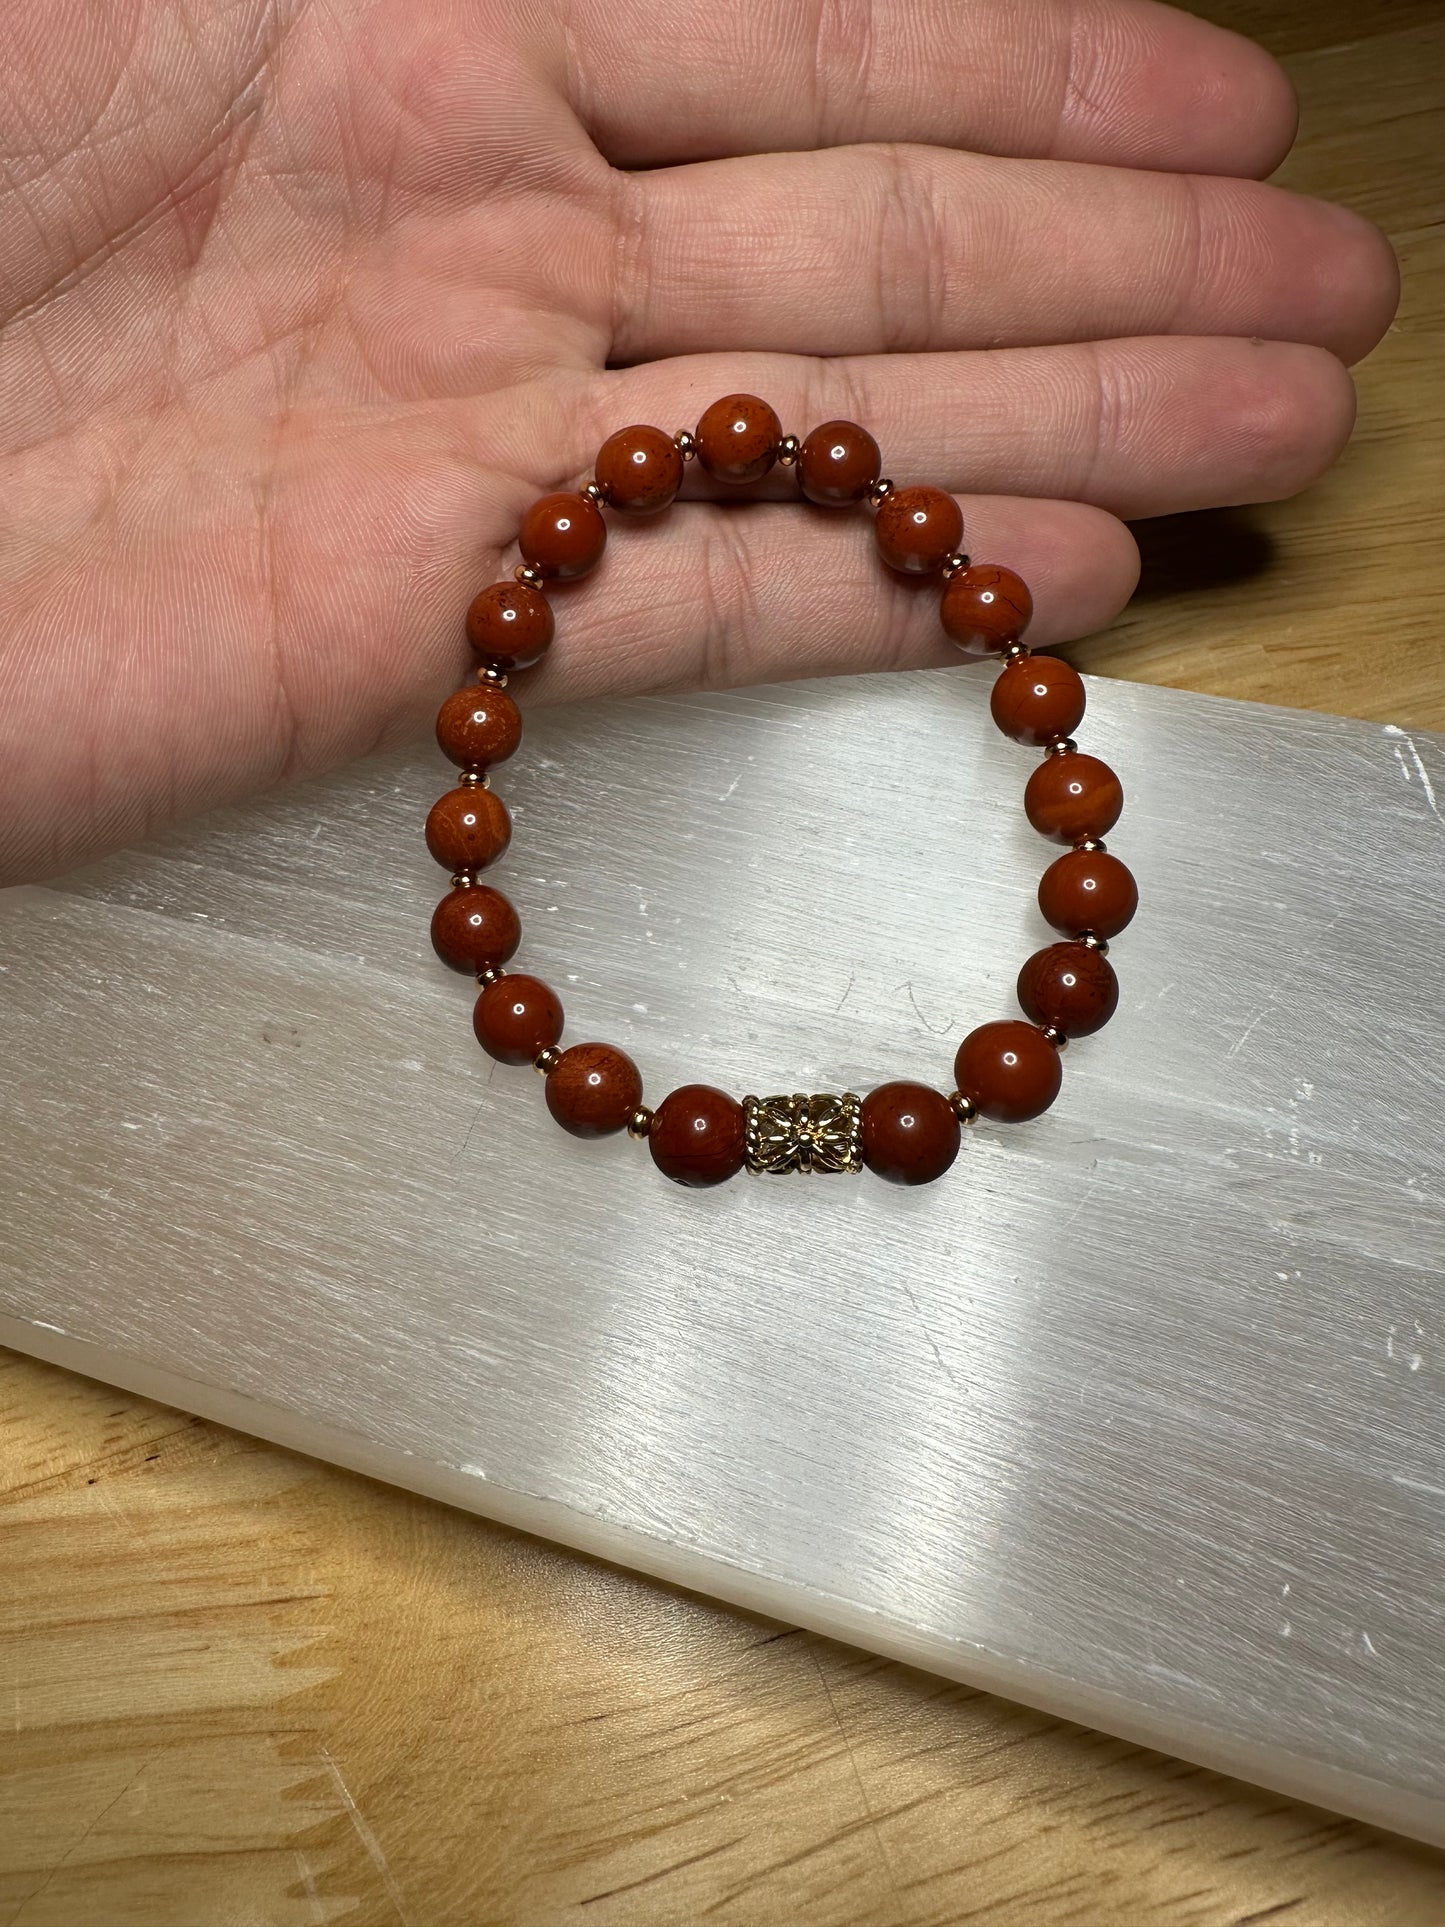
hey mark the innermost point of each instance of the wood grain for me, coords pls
(237, 1685)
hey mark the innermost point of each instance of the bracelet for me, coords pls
(698, 1135)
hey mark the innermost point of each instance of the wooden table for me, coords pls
(237, 1686)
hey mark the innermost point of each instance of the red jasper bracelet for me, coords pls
(908, 1133)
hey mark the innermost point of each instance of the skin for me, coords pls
(304, 300)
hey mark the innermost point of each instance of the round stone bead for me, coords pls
(838, 464)
(1009, 1071)
(475, 928)
(737, 439)
(467, 829)
(639, 469)
(517, 1017)
(1070, 987)
(1088, 890)
(985, 608)
(1072, 798)
(510, 625)
(917, 529)
(910, 1133)
(1038, 700)
(593, 1090)
(563, 535)
(698, 1136)
(479, 726)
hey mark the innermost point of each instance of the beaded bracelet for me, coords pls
(698, 1135)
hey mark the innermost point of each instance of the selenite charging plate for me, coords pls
(1137, 1415)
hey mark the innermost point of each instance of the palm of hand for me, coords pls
(303, 304)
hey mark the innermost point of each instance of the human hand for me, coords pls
(303, 301)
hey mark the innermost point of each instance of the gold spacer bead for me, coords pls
(964, 1108)
(954, 565)
(685, 442)
(1092, 843)
(529, 573)
(474, 779)
(789, 449)
(639, 1125)
(1055, 1037)
(493, 974)
(496, 677)
(546, 1061)
(880, 490)
(595, 494)
(462, 880)
(1091, 942)
(1066, 747)
(1013, 652)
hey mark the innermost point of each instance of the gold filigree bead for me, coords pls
(880, 490)
(821, 1133)
(772, 1141)
(639, 1125)
(685, 442)
(546, 1061)
(789, 449)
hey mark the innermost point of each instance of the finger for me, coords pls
(862, 250)
(1144, 427)
(1122, 81)
(713, 597)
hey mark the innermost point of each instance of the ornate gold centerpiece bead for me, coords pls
(801, 1133)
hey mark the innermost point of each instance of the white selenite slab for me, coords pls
(1136, 1416)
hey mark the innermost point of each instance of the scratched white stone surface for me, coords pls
(1138, 1415)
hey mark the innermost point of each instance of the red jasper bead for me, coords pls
(639, 469)
(510, 625)
(563, 535)
(1008, 1071)
(1038, 700)
(478, 726)
(475, 928)
(838, 464)
(593, 1090)
(468, 829)
(917, 529)
(517, 1018)
(1088, 890)
(910, 1133)
(737, 439)
(985, 608)
(1070, 987)
(698, 1136)
(1073, 798)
